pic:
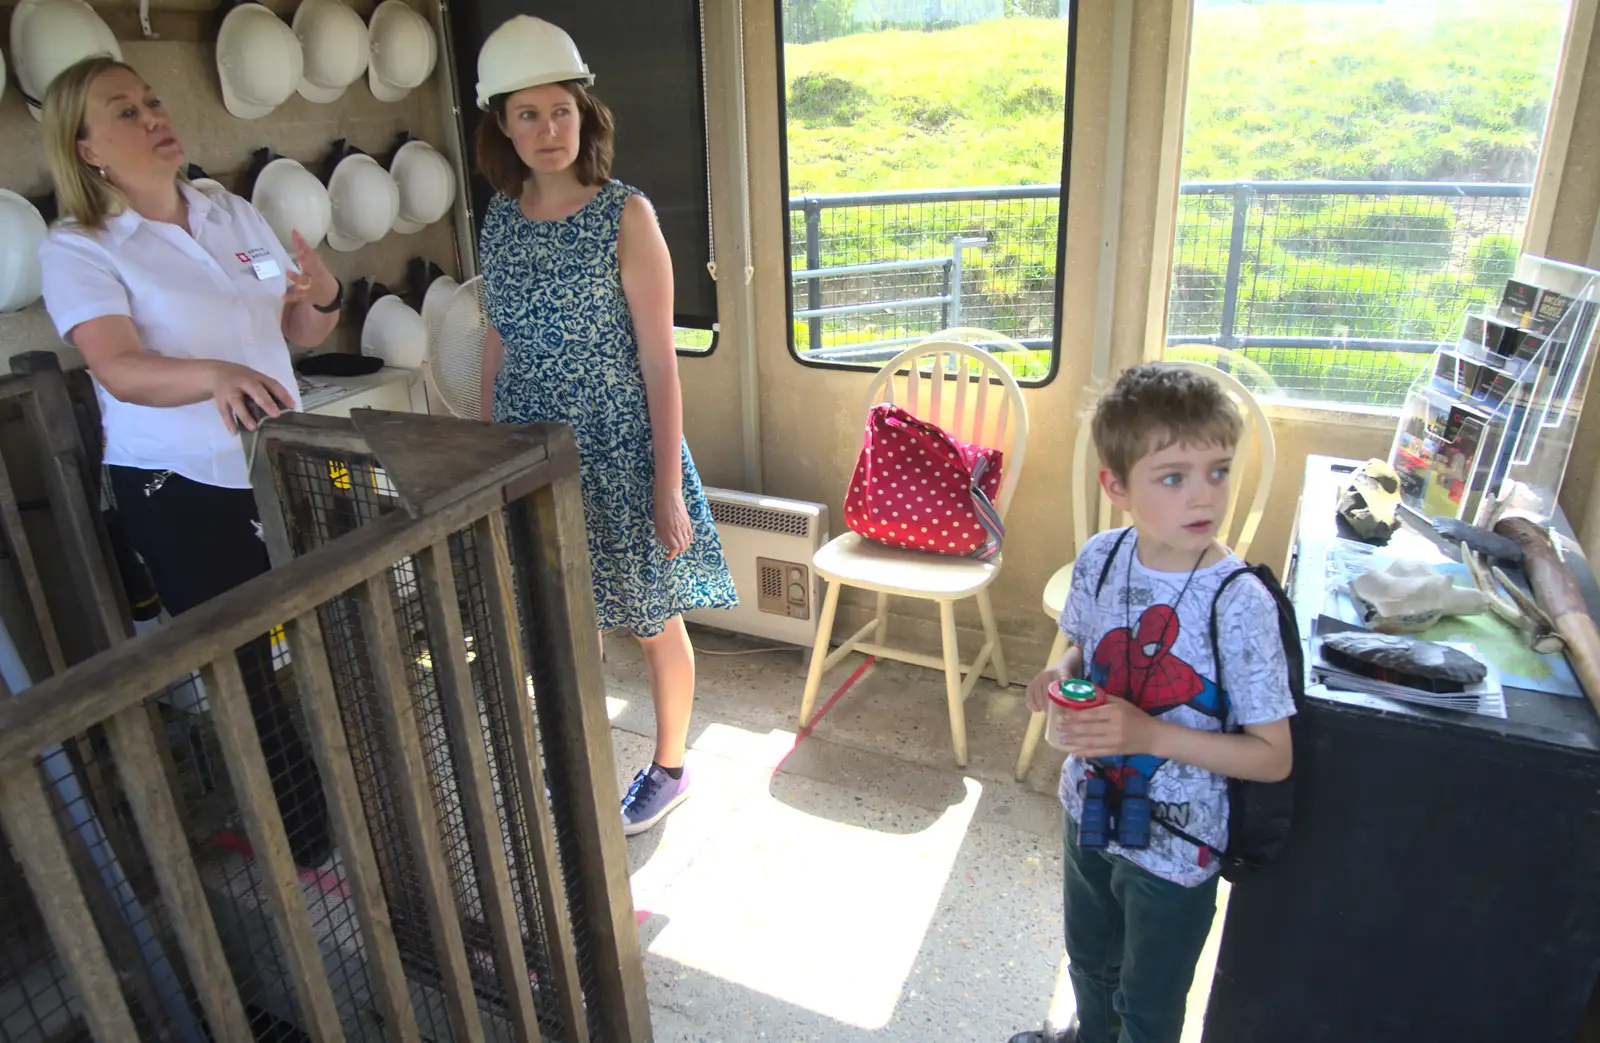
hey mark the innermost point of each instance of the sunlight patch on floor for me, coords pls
(823, 914)
(614, 707)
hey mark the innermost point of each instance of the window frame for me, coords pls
(1357, 416)
(1067, 114)
(715, 329)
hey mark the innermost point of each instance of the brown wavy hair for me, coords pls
(1157, 405)
(500, 165)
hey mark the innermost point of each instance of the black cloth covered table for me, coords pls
(1443, 880)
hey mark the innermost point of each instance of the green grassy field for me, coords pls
(1281, 91)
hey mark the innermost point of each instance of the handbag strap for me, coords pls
(993, 528)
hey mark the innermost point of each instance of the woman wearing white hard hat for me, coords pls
(182, 304)
(578, 284)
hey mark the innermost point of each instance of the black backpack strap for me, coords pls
(1286, 620)
(1216, 644)
(1105, 570)
(1161, 820)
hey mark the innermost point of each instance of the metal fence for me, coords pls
(1321, 290)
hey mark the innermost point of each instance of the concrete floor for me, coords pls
(870, 890)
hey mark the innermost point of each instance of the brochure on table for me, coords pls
(1500, 404)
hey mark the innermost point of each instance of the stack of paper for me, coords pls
(315, 392)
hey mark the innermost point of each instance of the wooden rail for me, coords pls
(506, 488)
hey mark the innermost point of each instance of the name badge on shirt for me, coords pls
(261, 260)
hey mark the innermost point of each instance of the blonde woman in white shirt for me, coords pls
(183, 304)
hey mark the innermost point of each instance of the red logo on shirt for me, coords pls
(244, 258)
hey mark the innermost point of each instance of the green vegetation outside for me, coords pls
(1281, 91)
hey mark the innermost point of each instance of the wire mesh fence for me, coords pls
(36, 999)
(876, 271)
(328, 496)
(1326, 291)
(333, 822)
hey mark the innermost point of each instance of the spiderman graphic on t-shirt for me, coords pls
(1138, 665)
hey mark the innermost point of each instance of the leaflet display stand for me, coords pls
(1496, 411)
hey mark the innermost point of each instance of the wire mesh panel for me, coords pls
(877, 271)
(1336, 291)
(1330, 291)
(324, 499)
(37, 1002)
(317, 810)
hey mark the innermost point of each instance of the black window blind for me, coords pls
(646, 59)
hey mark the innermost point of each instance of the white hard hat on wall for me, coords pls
(259, 61)
(291, 199)
(403, 51)
(202, 181)
(48, 36)
(394, 332)
(22, 229)
(527, 52)
(364, 199)
(427, 186)
(336, 46)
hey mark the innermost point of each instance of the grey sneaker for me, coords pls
(652, 795)
(1049, 1034)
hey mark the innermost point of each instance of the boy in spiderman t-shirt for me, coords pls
(1136, 918)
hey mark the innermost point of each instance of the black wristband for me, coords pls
(333, 305)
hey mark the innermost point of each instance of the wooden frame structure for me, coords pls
(514, 493)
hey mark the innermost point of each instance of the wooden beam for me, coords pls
(28, 567)
(25, 813)
(252, 786)
(49, 414)
(494, 566)
(331, 749)
(146, 785)
(453, 676)
(108, 683)
(577, 741)
(416, 801)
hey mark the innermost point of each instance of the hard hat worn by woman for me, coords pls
(578, 285)
(181, 302)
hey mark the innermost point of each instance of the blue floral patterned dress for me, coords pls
(554, 292)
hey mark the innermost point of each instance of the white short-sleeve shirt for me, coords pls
(214, 294)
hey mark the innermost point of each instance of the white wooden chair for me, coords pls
(966, 391)
(1257, 436)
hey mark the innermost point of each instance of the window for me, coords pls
(694, 341)
(1356, 175)
(925, 161)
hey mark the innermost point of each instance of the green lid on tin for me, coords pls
(1077, 691)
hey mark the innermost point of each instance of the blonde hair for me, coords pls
(1157, 405)
(82, 193)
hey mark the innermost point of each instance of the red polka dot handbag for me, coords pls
(916, 487)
